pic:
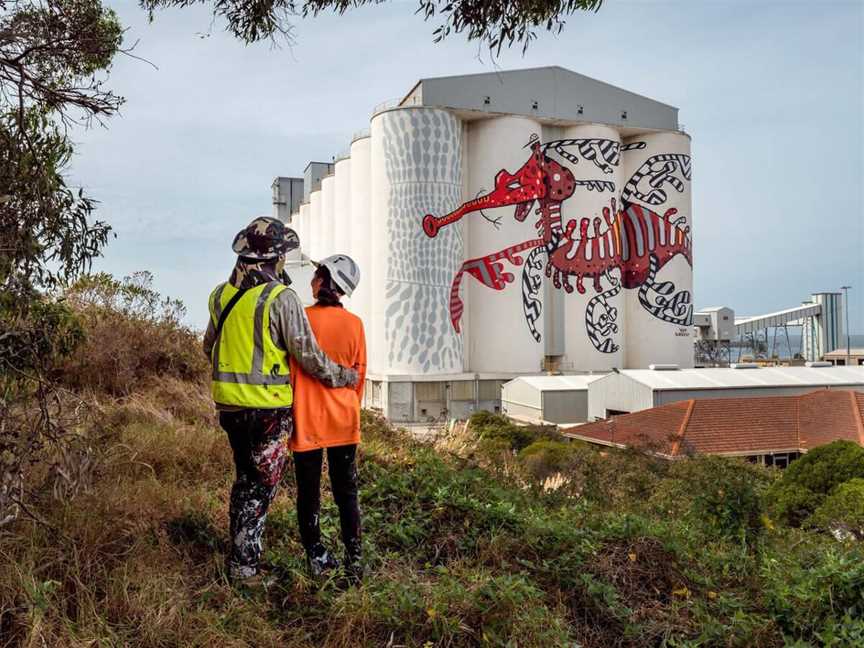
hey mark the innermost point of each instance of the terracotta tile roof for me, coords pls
(736, 425)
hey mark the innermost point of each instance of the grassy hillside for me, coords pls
(495, 535)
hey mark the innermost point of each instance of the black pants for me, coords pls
(259, 439)
(342, 464)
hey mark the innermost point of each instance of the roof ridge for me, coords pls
(856, 413)
(683, 429)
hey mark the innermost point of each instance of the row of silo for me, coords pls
(513, 309)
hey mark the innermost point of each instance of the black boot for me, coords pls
(353, 565)
(320, 561)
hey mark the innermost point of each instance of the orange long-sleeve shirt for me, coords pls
(325, 417)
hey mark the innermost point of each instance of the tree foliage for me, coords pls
(493, 23)
(53, 58)
(809, 480)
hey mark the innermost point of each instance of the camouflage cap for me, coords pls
(265, 238)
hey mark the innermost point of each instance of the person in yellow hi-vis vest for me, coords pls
(256, 324)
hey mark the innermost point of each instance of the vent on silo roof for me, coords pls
(818, 364)
(744, 365)
(664, 367)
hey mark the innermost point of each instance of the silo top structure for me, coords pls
(549, 94)
(511, 222)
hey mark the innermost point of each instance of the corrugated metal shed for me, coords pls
(553, 399)
(633, 390)
(725, 378)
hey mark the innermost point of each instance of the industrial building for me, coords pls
(547, 399)
(845, 356)
(634, 390)
(505, 224)
(820, 321)
(772, 430)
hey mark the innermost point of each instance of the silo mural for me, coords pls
(497, 243)
(416, 166)
(629, 252)
(656, 203)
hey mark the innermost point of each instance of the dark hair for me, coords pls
(328, 293)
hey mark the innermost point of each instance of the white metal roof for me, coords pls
(722, 378)
(558, 383)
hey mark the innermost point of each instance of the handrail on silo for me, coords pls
(413, 100)
(360, 134)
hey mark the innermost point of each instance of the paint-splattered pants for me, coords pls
(342, 466)
(259, 439)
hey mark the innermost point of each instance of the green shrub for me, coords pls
(546, 457)
(492, 427)
(810, 479)
(842, 511)
(722, 495)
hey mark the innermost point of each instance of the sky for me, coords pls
(772, 94)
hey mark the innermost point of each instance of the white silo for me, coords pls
(503, 317)
(328, 210)
(360, 245)
(416, 168)
(342, 207)
(657, 227)
(315, 229)
(303, 228)
(590, 273)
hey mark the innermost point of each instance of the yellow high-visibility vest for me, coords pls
(249, 370)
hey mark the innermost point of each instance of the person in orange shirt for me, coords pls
(330, 418)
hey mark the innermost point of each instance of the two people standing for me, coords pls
(275, 382)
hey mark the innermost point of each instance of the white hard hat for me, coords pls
(344, 272)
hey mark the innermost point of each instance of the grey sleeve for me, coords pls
(209, 339)
(290, 328)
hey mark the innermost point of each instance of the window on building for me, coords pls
(489, 390)
(429, 391)
(839, 362)
(462, 390)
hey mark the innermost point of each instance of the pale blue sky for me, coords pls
(771, 92)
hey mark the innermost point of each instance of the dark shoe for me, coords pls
(320, 561)
(353, 572)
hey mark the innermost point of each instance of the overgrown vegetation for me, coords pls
(497, 535)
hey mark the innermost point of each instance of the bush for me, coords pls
(131, 334)
(810, 479)
(722, 495)
(494, 427)
(842, 512)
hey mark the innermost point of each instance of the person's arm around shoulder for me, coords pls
(288, 318)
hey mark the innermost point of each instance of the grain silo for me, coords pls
(509, 223)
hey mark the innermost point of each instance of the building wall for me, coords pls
(615, 392)
(565, 406)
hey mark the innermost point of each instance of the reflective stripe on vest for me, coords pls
(249, 369)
